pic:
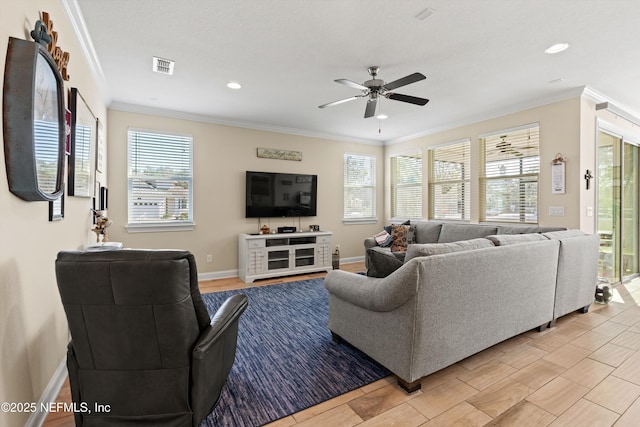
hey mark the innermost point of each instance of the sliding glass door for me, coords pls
(617, 220)
(630, 210)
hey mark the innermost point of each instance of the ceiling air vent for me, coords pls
(163, 66)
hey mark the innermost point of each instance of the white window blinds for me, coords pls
(509, 175)
(406, 186)
(359, 187)
(449, 188)
(160, 178)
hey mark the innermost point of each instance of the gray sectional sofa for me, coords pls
(450, 300)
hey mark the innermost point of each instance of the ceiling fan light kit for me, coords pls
(374, 88)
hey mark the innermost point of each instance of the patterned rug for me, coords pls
(286, 360)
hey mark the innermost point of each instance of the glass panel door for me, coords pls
(630, 188)
(609, 197)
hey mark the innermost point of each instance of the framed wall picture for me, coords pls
(100, 154)
(56, 209)
(82, 159)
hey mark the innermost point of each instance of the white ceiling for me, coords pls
(481, 58)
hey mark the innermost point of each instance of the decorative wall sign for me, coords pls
(558, 174)
(274, 153)
(43, 33)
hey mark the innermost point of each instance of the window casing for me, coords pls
(160, 180)
(406, 186)
(509, 175)
(359, 187)
(449, 181)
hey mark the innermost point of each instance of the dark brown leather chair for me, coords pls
(144, 350)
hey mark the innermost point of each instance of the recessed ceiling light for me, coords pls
(557, 48)
(382, 116)
(234, 85)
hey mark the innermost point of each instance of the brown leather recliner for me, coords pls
(144, 350)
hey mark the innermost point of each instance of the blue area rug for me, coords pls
(286, 360)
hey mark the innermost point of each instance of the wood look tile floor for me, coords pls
(585, 371)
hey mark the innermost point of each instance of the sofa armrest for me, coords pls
(385, 294)
(213, 356)
(370, 242)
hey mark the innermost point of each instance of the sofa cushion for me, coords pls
(526, 229)
(403, 236)
(557, 235)
(510, 239)
(428, 249)
(383, 262)
(458, 232)
(427, 231)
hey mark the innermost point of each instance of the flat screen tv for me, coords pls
(271, 194)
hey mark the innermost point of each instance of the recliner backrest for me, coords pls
(131, 309)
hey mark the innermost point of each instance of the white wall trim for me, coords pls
(72, 10)
(50, 394)
(213, 275)
(141, 109)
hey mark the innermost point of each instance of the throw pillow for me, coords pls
(403, 236)
(428, 249)
(383, 239)
(382, 262)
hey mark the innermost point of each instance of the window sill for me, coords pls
(160, 227)
(348, 221)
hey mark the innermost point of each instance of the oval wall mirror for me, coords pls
(33, 122)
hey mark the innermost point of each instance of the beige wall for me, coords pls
(222, 154)
(33, 327)
(559, 133)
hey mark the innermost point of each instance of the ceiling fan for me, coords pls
(374, 88)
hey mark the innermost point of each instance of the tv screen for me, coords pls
(271, 194)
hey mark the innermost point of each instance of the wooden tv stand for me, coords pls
(262, 256)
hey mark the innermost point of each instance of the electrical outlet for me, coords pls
(209, 258)
(556, 210)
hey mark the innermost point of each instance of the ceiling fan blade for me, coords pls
(371, 108)
(411, 78)
(331, 104)
(407, 98)
(351, 84)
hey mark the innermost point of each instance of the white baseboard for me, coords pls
(50, 394)
(217, 275)
(213, 275)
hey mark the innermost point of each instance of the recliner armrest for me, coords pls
(213, 356)
(228, 313)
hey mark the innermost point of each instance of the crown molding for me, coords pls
(74, 15)
(171, 114)
(494, 113)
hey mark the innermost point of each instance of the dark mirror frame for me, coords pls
(82, 157)
(19, 103)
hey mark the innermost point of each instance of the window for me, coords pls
(509, 175)
(406, 186)
(449, 188)
(160, 191)
(359, 187)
